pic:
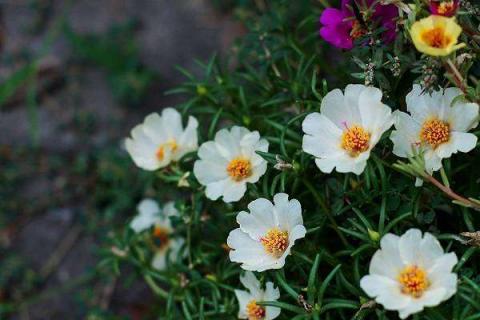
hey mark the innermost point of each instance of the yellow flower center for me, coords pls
(436, 37)
(172, 144)
(446, 7)
(239, 169)
(160, 237)
(413, 281)
(254, 311)
(275, 242)
(355, 140)
(435, 132)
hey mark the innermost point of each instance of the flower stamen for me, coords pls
(413, 281)
(254, 311)
(160, 237)
(239, 169)
(172, 144)
(275, 242)
(446, 7)
(435, 132)
(355, 140)
(436, 38)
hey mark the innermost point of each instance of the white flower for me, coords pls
(229, 162)
(437, 126)
(346, 129)
(267, 233)
(150, 215)
(410, 272)
(247, 300)
(160, 140)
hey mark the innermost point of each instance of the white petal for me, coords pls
(385, 291)
(208, 151)
(271, 294)
(188, 141)
(208, 171)
(418, 104)
(234, 191)
(387, 261)
(412, 308)
(154, 129)
(257, 171)
(248, 143)
(376, 116)
(406, 136)
(288, 213)
(251, 282)
(169, 209)
(408, 245)
(216, 189)
(463, 116)
(441, 266)
(159, 261)
(227, 144)
(317, 124)
(333, 107)
(429, 250)
(247, 251)
(243, 298)
(172, 122)
(432, 161)
(259, 221)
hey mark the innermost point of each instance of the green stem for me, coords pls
(327, 211)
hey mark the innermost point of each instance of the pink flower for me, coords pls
(341, 27)
(444, 8)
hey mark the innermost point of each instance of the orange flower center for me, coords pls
(275, 242)
(435, 132)
(239, 169)
(446, 7)
(355, 140)
(171, 144)
(357, 30)
(160, 237)
(254, 311)
(413, 281)
(436, 38)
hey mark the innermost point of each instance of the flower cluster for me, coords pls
(407, 274)
(287, 170)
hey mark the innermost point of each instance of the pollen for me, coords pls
(435, 132)
(355, 140)
(160, 237)
(254, 311)
(357, 30)
(275, 242)
(239, 169)
(446, 7)
(171, 144)
(436, 38)
(413, 281)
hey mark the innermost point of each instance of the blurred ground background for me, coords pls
(75, 77)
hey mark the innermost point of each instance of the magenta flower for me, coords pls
(444, 8)
(341, 28)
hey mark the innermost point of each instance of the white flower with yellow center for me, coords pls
(266, 234)
(247, 300)
(159, 140)
(437, 126)
(410, 272)
(347, 128)
(229, 162)
(151, 217)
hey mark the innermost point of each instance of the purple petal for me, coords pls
(331, 16)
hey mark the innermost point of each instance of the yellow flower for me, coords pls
(436, 35)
